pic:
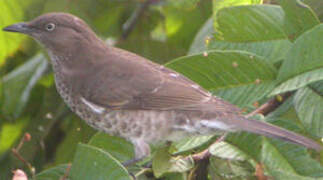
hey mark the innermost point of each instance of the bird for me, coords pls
(124, 94)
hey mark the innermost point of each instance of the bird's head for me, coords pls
(56, 31)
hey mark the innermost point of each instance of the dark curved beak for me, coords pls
(19, 27)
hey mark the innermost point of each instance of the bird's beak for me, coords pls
(19, 27)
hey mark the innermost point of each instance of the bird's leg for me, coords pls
(142, 150)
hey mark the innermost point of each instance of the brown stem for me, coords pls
(30, 167)
(67, 172)
(271, 105)
(206, 153)
(15, 152)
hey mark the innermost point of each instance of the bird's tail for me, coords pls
(263, 128)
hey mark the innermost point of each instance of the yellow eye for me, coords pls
(50, 26)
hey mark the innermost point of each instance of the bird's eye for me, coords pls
(50, 26)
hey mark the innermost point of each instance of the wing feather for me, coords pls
(134, 83)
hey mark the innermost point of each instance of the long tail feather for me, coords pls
(263, 128)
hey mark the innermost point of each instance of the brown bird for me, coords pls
(124, 94)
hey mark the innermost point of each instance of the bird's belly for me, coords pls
(149, 126)
(152, 126)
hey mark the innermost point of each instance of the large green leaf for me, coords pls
(12, 11)
(18, 84)
(10, 133)
(223, 69)
(305, 55)
(219, 4)
(283, 175)
(293, 159)
(54, 173)
(244, 96)
(227, 151)
(189, 143)
(118, 147)
(234, 70)
(164, 163)
(273, 154)
(250, 23)
(272, 50)
(308, 105)
(317, 87)
(298, 17)
(201, 39)
(94, 163)
(299, 81)
(231, 170)
(76, 131)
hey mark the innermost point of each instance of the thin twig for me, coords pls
(67, 172)
(15, 152)
(271, 105)
(30, 167)
(206, 153)
(129, 25)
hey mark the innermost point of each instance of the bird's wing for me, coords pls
(128, 81)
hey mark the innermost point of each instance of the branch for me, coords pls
(271, 105)
(129, 25)
(67, 172)
(206, 153)
(15, 152)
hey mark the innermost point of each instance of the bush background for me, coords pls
(245, 51)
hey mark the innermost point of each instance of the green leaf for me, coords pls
(289, 158)
(200, 43)
(305, 55)
(299, 81)
(164, 163)
(317, 87)
(219, 4)
(308, 105)
(244, 96)
(10, 133)
(283, 175)
(231, 170)
(190, 143)
(223, 70)
(118, 147)
(18, 84)
(250, 23)
(227, 151)
(94, 163)
(76, 131)
(273, 50)
(243, 141)
(11, 12)
(54, 173)
(299, 17)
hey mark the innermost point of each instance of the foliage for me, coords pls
(241, 50)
